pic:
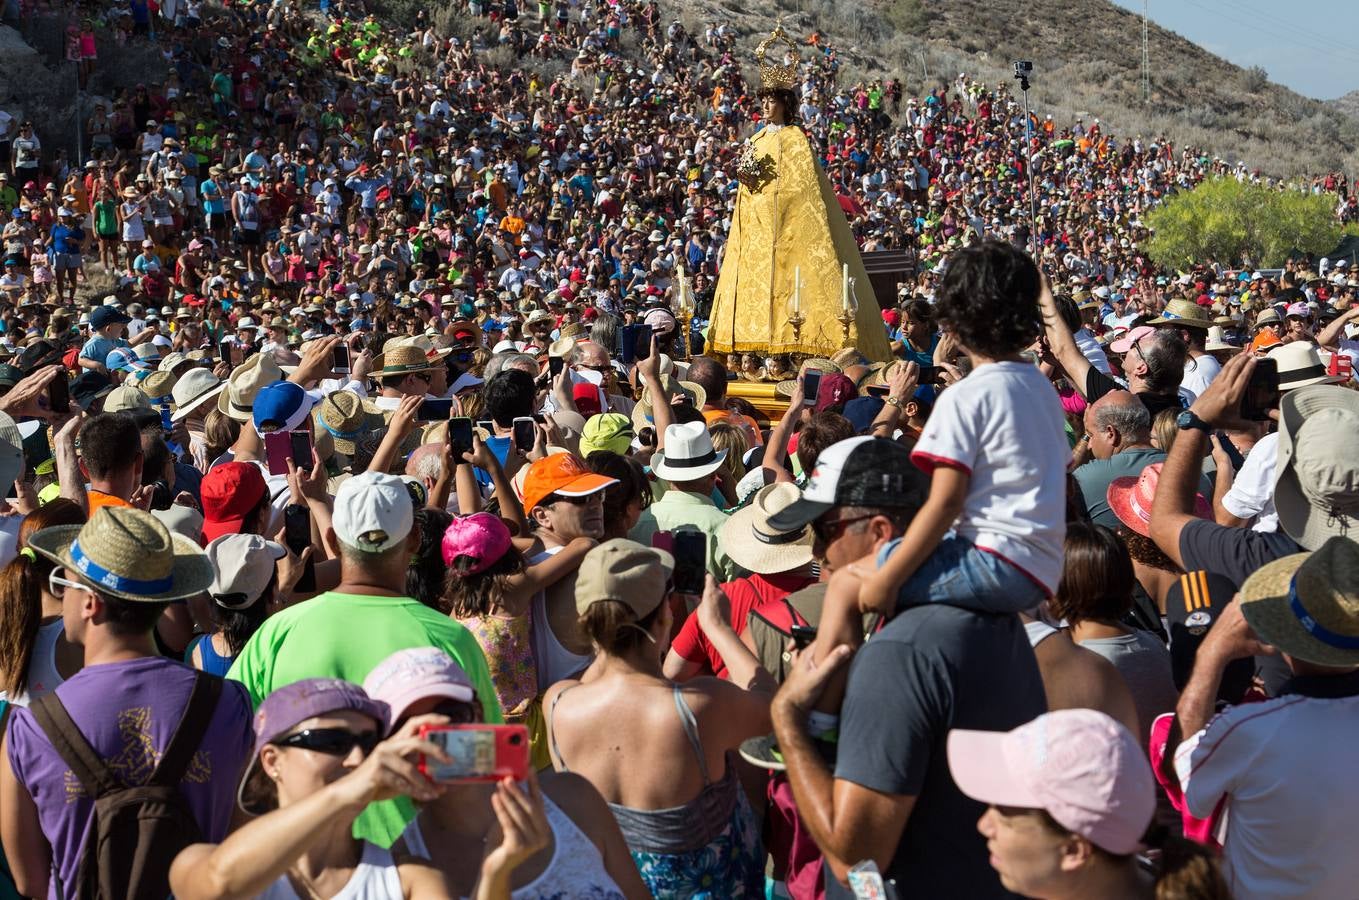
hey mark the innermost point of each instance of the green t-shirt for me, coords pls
(346, 636)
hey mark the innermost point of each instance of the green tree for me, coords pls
(1230, 222)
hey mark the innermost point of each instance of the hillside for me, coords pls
(1087, 60)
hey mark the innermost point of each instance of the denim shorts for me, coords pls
(959, 574)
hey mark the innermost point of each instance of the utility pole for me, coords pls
(1146, 58)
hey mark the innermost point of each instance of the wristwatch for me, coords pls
(893, 401)
(1187, 420)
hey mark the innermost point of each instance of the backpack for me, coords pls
(136, 832)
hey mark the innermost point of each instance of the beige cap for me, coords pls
(625, 571)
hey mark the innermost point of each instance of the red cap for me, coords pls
(587, 399)
(230, 491)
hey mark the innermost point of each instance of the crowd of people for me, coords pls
(391, 421)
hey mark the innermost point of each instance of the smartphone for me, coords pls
(224, 352)
(300, 445)
(278, 449)
(341, 359)
(803, 635)
(878, 390)
(477, 753)
(641, 342)
(627, 344)
(691, 561)
(1262, 393)
(664, 540)
(555, 364)
(486, 425)
(59, 394)
(524, 433)
(166, 423)
(434, 410)
(460, 435)
(297, 537)
(811, 386)
(930, 375)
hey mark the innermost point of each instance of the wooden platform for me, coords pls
(761, 395)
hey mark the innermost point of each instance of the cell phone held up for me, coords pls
(460, 435)
(811, 386)
(477, 753)
(281, 446)
(691, 561)
(297, 538)
(1262, 391)
(524, 433)
(59, 394)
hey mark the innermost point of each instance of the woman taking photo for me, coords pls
(1075, 828)
(661, 753)
(320, 760)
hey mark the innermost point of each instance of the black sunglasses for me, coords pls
(331, 741)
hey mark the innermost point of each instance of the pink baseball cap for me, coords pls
(1125, 343)
(1081, 766)
(482, 537)
(417, 673)
(1299, 309)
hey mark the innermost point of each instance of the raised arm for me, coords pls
(1061, 341)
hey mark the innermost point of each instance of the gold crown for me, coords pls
(776, 75)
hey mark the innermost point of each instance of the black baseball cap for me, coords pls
(107, 315)
(88, 387)
(860, 471)
(1192, 606)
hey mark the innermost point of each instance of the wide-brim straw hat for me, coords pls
(346, 418)
(404, 359)
(642, 412)
(1183, 313)
(237, 400)
(1317, 469)
(128, 553)
(755, 545)
(1215, 343)
(1307, 604)
(159, 384)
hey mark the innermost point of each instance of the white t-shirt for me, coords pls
(1252, 492)
(1199, 373)
(1003, 425)
(1091, 350)
(1280, 766)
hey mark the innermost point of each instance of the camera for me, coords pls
(1023, 67)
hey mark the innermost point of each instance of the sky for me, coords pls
(1292, 41)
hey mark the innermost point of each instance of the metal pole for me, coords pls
(1028, 156)
(80, 150)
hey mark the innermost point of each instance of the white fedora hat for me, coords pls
(689, 453)
(1300, 366)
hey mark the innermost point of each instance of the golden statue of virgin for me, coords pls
(791, 276)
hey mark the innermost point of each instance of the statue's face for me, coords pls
(771, 107)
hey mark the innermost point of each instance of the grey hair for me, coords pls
(604, 332)
(1130, 419)
(502, 361)
(1165, 352)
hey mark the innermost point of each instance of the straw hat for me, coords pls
(1318, 471)
(642, 412)
(404, 359)
(195, 388)
(1300, 365)
(426, 344)
(128, 553)
(562, 348)
(785, 388)
(754, 544)
(159, 384)
(1307, 604)
(346, 418)
(1183, 313)
(1268, 317)
(252, 376)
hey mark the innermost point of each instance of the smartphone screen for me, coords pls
(641, 342)
(523, 433)
(59, 394)
(803, 635)
(341, 359)
(297, 537)
(811, 386)
(278, 449)
(691, 561)
(478, 753)
(555, 365)
(1262, 393)
(224, 352)
(460, 435)
(301, 450)
(486, 425)
(434, 410)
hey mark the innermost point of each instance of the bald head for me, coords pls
(710, 375)
(1115, 422)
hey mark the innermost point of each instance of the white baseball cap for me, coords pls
(373, 512)
(242, 566)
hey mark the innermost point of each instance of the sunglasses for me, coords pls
(57, 585)
(828, 531)
(331, 741)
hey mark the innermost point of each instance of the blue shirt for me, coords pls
(500, 446)
(98, 348)
(213, 201)
(66, 239)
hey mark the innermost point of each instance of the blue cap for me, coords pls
(122, 359)
(861, 411)
(283, 404)
(359, 325)
(107, 315)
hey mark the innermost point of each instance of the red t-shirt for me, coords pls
(746, 595)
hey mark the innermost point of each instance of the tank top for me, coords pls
(43, 676)
(555, 662)
(576, 869)
(214, 663)
(374, 878)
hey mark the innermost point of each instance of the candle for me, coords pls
(797, 290)
(844, 288)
